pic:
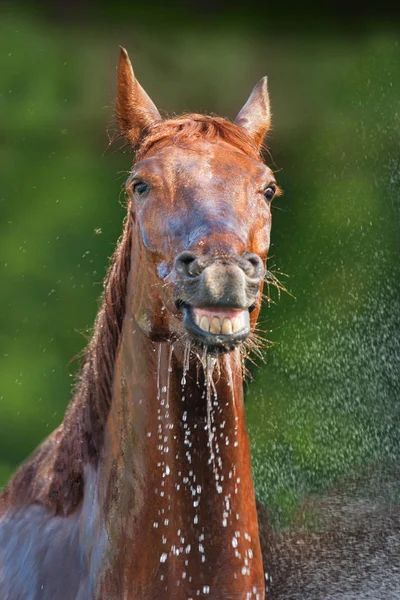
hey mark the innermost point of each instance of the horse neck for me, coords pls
(176, 474)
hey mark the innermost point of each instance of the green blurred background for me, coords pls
(326, 401)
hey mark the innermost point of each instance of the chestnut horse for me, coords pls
(145, 490)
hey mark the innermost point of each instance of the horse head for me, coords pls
(200, 203)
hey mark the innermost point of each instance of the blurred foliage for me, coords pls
(327, 400)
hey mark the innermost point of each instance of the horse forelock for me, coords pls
(191, 127)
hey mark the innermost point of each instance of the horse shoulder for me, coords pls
(40, 556)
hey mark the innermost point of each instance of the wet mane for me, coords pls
(190, 127)
(53, 475)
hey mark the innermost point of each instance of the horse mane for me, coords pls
(53, 475)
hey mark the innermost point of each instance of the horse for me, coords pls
(145, 490)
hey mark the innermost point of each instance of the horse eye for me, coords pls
(269, 193)
(140, 188)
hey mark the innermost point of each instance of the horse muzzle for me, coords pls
(216, 295)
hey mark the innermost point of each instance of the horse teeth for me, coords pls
(227, 326)
(219, 324)
(215, 325)
(204, 324)
(236, 324)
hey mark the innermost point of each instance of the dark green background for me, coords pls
(326, 402)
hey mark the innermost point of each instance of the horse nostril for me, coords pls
(186, 264)
(253, 266)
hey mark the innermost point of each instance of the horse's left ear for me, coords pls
(255, 116)
(136, 111)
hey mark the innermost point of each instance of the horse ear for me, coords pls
(255, 116)
(136, 111)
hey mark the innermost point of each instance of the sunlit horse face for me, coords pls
(201, 207)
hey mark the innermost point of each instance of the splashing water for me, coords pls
(186, 362)
(175, 543)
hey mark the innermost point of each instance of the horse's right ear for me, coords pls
(255, 116)
(136, 111)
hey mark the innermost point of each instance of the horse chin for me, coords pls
(219, 330)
